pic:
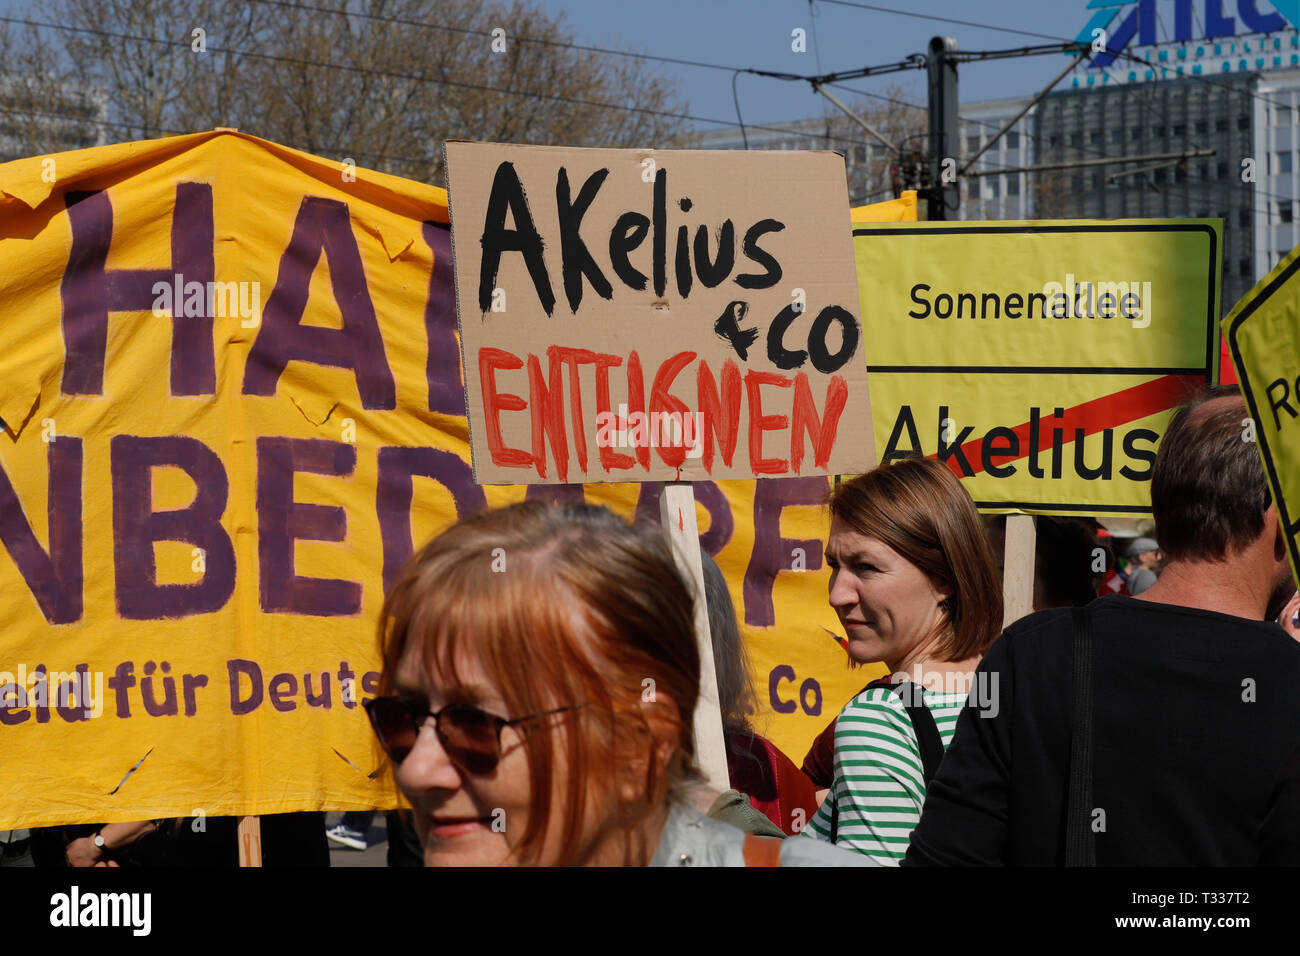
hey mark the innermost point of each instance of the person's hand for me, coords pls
(1288, 616)
(82, 852)
(108, 863)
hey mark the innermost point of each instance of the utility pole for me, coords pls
(943, 196)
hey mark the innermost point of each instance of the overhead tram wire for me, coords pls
(434, 81)
(1178, 187)
(1148, 89)
(1011, 30)
(1184, 188)
(701, 64)
(585, 48)
(871, 7)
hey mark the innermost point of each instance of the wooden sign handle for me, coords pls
(677, 515)
(250, 841)
(1018, 569)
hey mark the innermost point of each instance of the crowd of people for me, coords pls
(1144, 714)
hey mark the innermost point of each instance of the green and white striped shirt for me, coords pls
(879, 787)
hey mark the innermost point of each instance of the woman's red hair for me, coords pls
(562, 605)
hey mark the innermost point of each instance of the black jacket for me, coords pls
(1196, 730)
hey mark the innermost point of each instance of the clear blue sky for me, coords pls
(757, 33)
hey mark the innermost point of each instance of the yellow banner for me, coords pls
(1039, 360)
(232, 400)
(1263, 335)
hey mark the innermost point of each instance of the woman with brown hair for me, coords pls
(914, 582)
(540, 679)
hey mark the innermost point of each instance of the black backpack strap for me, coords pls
(927, 731)
(1080, 844)
(835, 809)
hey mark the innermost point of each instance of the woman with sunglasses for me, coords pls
(540, 675)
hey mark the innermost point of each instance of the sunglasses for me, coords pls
(471, 737)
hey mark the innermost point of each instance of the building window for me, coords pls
(1243, 122)
(972, 143)
(1094, 137)
(1160, 132)
(1222, 170)
(1180, 129)
(1117, 135)
(1135, 133)
(1096, 179)
(1244, 268)
(1180, 174)
(1284, 161)
(1013, 185)
(1013, 140)
(1161, 176)
(1282, 116)
(993, 186)
(1221, 126)
(1203, 170)
(1076, 139)
(1284, 212)
(1202, 126)
(1243, 218)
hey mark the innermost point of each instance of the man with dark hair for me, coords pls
(1194, 714)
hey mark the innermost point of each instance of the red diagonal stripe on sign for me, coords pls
(1108, 411)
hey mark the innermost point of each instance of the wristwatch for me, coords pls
(98, 840)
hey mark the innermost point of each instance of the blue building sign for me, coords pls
(1215, 41)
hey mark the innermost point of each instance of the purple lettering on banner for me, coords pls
(235, 669)
(321, 225)
(779, 673)
(73, 700)
(136, 527)
(721, 521)
(397, 466)
(317, 700)
(281, 689)
(90, 291)
(13, 704)
(55, 579)
(281, 521)
(369, 684)
(443, 368)
(772, 553)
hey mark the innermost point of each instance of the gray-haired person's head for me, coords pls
(731, 661)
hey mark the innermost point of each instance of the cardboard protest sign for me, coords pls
(232, 405)
(1040, 361)
(1263, 336)
(643, 315)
